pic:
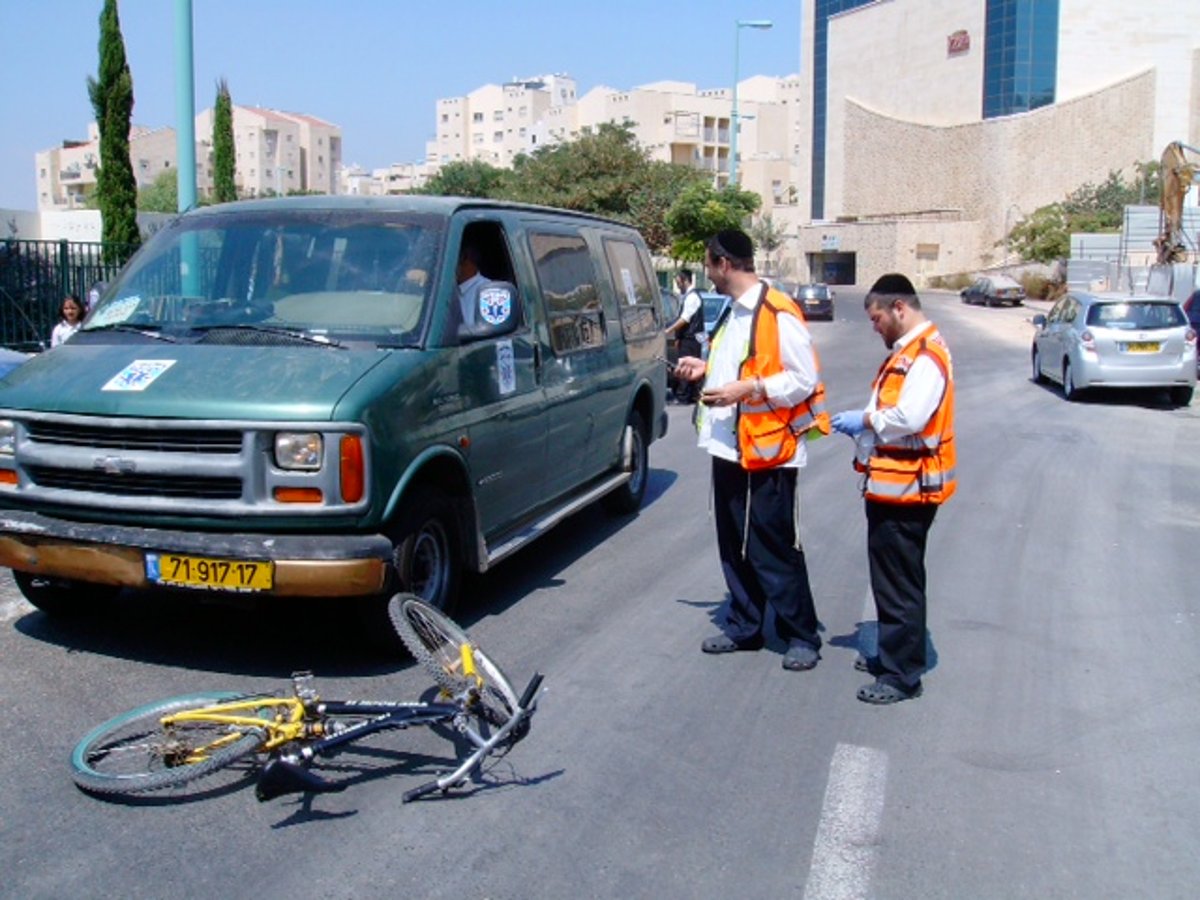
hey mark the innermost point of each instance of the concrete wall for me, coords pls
(999, 170)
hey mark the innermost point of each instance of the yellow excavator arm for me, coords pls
(1177, 175)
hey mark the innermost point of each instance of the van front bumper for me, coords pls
(316, 565)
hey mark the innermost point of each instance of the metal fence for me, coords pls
(36, 275)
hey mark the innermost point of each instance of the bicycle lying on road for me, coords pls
(174, 742)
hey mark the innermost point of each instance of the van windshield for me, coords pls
(229, 277)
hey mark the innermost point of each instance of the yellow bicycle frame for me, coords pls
(287, 723)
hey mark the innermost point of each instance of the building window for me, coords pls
(477, 117)
(1020, 56)
(497, 137)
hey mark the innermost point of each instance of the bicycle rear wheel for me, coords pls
(448, 654)
(135, 753)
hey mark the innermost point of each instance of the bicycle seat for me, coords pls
(281, 777)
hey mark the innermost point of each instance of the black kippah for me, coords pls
(736, 243)
(893, 284)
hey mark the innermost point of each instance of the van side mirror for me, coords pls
(497, 311)
(1039, 320)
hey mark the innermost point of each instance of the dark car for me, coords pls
(816, 300)
(994, 290)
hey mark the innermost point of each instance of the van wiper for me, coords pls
(288, 334)
(150, 331)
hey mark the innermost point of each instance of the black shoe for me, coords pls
(723, 643)
(800, 656)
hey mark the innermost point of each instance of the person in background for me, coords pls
(762, 399)
(686, 330)
(904, 443)
(72, 316)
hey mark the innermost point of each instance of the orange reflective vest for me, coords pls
(768, 434)
(917, 468)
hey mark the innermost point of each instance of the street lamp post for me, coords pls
(733, 119)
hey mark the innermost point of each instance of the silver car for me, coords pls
(1116, 340)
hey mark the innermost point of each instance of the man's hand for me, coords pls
(689, 368)
(728, 394)
(849, 422)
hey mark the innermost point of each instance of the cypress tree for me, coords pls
(112, 100)
(223, 151)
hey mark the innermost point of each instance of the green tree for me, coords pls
(163, 195)
(1046, 235)
(223, 150)
(112, 100)
(470, 178)
(701, 211)
(650, 202)
(768, 237)
(1043, 236)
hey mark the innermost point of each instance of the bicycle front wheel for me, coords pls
(450, 655)
(135, 753)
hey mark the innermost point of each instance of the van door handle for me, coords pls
(537, 358)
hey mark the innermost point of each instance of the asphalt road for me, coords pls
(1051, 755)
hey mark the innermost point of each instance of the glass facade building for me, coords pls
(1020, 63)
(1020, 56)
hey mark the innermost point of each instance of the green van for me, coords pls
(294, 397)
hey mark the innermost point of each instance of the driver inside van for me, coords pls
(474, 289)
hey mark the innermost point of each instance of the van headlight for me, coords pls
(303, 451)
(8, 437)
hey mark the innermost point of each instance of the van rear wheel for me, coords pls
(628, 497)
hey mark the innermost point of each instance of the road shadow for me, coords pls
(274, 637)
(1144, 398)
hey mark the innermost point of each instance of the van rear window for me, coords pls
(636, 289)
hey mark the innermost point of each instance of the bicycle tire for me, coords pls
(131, 754)
(435, 640)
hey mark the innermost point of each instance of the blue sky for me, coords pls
(350, 62)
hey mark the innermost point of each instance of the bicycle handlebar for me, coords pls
(525, 708)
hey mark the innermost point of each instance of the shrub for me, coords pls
(954, 282)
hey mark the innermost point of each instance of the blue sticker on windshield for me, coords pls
(138, 375)
(495, 305)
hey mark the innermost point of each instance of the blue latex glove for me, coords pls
(849, 422)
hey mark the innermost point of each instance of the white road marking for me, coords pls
(847, 838)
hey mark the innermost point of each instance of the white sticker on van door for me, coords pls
(506, 369)
(138, 375)
(630, 290)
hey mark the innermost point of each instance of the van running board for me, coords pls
(548, 521)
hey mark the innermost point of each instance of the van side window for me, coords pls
(568, 281)
(486, 299)
(636, 289)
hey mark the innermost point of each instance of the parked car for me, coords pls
(714, 306)
(1114, 340)
(284, 398)
(994, 290)
(816, 300)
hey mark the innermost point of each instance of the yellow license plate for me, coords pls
(177, 570)
(1142, 347)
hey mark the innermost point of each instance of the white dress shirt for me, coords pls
(468, 297)
(730, 347)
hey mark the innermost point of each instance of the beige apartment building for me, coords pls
(276, 153)
(66, 174)
(675, 121)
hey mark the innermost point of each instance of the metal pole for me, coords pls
(185, 106)
(733, 119)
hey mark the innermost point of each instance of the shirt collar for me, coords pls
(909, 336)
(749, 299)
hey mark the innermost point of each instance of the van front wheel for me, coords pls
(428, 554)
(628, 497)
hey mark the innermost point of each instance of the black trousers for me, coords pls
(773, 570)
(896, 536)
